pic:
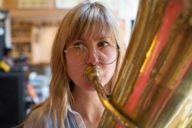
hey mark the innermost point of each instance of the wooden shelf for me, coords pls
(34, 14)
(21, 40)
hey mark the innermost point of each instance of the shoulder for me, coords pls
(74, 119)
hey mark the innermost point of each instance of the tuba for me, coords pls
(154, 88)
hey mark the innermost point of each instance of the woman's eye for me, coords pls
(103, 44)
(78, 45)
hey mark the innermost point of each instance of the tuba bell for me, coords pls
(154, 88)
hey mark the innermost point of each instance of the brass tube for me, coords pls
(92, 73)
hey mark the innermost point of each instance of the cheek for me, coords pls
(108, 72)
(74, 72)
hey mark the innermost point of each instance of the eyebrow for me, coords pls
(105, 37)
(78, 40)
(100, 37)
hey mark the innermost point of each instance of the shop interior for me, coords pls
(27, 31)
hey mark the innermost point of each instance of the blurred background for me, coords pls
(27, 31)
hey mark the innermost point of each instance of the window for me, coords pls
(66, 4)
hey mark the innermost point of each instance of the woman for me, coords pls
(87, 36)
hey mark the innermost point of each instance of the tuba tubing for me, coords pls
(154, 88)
(92, 73)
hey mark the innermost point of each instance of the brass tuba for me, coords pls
(154, 88)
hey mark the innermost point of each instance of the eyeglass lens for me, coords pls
(79, 54)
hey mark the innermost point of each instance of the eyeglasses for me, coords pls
(105, 53)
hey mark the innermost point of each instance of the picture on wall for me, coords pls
(32, 4)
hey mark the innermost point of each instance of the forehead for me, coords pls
(96, 33)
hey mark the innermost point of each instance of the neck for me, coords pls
(87, 103)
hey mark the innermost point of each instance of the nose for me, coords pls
(92, 58)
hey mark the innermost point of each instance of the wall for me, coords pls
(37, 15)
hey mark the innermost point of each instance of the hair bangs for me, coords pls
(91, 23)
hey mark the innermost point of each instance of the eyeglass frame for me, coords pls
(117, 47)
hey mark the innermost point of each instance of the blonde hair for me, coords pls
(81, 20)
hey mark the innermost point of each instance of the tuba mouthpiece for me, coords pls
(93, 73)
